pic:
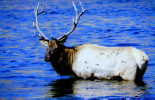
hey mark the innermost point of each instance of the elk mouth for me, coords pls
(47, 59)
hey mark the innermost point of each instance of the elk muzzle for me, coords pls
(47, 55)
(47, 58)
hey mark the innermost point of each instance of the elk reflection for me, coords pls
(62, 87)
(95, 88)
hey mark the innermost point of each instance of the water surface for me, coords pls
(24, 75)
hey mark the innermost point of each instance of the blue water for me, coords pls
(24, 75)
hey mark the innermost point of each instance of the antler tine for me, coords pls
(75, 20)
(40, 33)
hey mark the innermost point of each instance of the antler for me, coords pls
(36, 24)
(75, 20)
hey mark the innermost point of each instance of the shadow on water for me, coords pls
(95, 88)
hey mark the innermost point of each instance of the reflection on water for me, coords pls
(95, 88)
(62, 87)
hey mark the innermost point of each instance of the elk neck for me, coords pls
(62, 60)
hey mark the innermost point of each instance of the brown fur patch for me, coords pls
(52, 44)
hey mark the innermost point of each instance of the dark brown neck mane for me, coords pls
(62, 60)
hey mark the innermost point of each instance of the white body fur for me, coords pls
(107, 62)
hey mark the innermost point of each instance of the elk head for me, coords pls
(56, 44)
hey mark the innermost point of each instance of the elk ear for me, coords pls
(44, 42)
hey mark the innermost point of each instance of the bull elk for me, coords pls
(91, 60)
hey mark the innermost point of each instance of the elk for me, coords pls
(92, 60)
